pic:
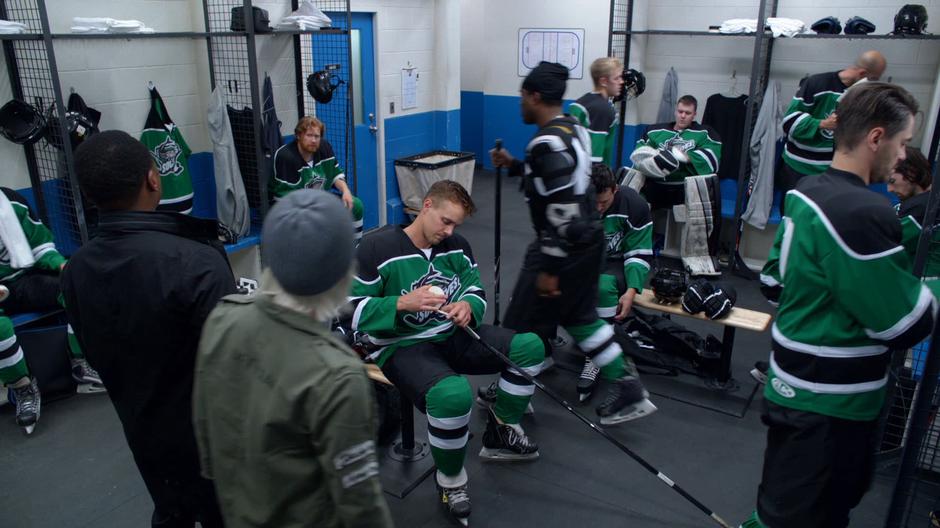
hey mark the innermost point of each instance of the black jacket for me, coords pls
(137, 295)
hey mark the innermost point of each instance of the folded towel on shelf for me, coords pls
(108, 25)
(305, 18)
(778, 26)
(12, 28)
(786, 27)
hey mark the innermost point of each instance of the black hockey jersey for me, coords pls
(558, 189)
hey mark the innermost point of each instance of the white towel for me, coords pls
(108, 25)
(305, 18)
(11, 28)
(786, 27)
(12, 236)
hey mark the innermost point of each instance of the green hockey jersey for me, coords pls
(809, 148)
(628, 229)
(700, 143)
(37, 235)
(912, 213)
(292, 172)
(595, 112)
(391, 266)
(171, 154)
(847, 297)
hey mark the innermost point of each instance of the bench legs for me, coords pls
(406, 462)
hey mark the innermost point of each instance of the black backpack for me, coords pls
(659, 343)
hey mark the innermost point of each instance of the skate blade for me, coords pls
(90, 388)
(639, 410)
(29, 428)
(465, 522)
(500, 455)
(584, 396)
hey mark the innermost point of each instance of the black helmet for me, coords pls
(910, 20)
(829, 25)
(21, 123)
(321, 87)
(634, 84)
(81, 122)
(668, 285)
(858, 26)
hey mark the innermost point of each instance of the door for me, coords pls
(365, 129)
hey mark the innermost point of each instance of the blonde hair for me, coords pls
(605, 67)
(308, 122)
(321, 307)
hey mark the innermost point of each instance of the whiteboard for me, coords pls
(564, 46)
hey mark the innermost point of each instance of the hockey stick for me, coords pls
(649, 467)
(497, 236)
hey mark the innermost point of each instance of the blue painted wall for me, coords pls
(415, 134)
(488, 117)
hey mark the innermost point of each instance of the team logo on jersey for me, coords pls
(782, 388)
(614, 241)
(167, 156)
(450, 285)
(4, 256)
(677, 142)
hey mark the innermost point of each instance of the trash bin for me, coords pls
(417, 173)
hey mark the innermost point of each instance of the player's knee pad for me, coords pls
(527, 350)
(449, 398)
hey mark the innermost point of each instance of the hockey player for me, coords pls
(810, 119)
(628, 232)
(832, 335)
(911, 182)
(29, 282)
(414, 287)
(558, 280)
(596, 113)
(308, 162)
(670, 152)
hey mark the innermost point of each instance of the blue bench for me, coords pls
(729, 195)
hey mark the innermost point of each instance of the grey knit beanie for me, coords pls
(307, 241)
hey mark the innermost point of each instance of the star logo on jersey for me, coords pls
(614, 241)
(677, 142)
(450, 285)
(167, 156)
(316, 182)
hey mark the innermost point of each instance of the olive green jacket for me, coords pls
(285, 420)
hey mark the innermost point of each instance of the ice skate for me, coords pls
(455, 498)
(486, 397)
(87, 378)
(506, 443)
(28, 403)
(588, 380)
(627, 400)
(759, 372)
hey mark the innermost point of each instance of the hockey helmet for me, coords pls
(721, 301)
(858, 26)
(81, 123)
(668, 285)
(634, 84)
(910, 20)
(829, 25)
(694, 299)
(321, 86)
(21, 123)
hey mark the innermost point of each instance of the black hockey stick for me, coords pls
(649, 467)
(497, 235)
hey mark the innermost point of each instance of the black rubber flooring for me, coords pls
(76, 470)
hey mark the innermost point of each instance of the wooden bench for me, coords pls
(738, 318)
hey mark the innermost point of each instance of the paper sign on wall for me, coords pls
(409, 88)
(564, 46)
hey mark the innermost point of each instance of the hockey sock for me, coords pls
(357, 214)
(752, 522)
(607, 296)
(448, 407)
(597, 341)
(513, 391)
(12, 362)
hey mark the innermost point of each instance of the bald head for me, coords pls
(872, 63)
